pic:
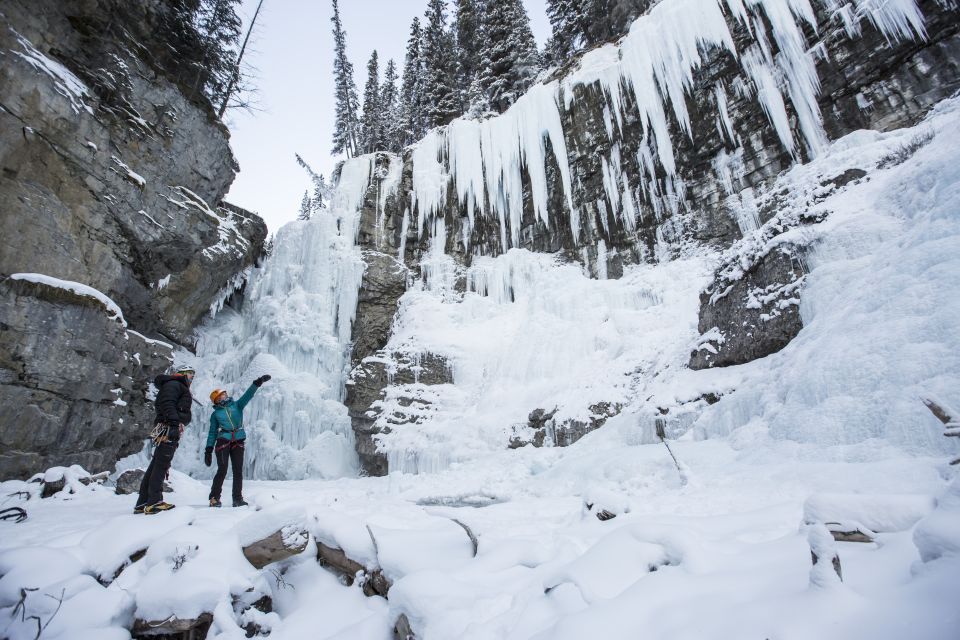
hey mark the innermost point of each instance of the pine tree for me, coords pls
(568, 21)
(390, 109)
(371, 130)
(411, 93)
(478, 106)
(468, 33)
(441, 97)
(306, 207)
(238, 84)
(219, 29)
(321, 193)
(345, 129)
(268, 246)
(509, 53)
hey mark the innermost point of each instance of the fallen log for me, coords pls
(374, 583)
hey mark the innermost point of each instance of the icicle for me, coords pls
(404, 228)
(656, 63)
(601, 260)
(768, 93)
(430, 179)
(388, 186)
(896, 19)
(723, 119)
(728, 167)
(354, 180)
(747, 214)
(466, 164)
(604, 215)
(629, 216)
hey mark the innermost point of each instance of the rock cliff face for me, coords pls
(615, 193)
(113, 173)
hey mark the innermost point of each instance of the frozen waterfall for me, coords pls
(295, 324)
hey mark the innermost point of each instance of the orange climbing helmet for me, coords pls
(216, 393)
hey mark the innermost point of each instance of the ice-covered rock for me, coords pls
(666, 144)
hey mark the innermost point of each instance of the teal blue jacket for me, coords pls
(227, 418)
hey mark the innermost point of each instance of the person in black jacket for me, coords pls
(173, 414)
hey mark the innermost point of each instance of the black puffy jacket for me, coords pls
(173, 400)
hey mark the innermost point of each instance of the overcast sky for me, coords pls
(293, 56)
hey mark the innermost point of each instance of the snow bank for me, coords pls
(442, 546)
(880, 513)
(342, 530)
(610, 566)
(187, 572)
(48, 584)
(109, 547)
(938, 534)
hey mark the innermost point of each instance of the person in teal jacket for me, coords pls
(226, 438)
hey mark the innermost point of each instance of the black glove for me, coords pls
(259, 381)
(208, 456)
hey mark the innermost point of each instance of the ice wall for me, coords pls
(881, 327)
(530, 331)
(295, 324)
(652, 71)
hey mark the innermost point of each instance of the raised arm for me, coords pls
(247, 396)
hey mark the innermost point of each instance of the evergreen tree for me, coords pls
(371, 131)
(568, 21)
(468, 33)
(411, 93)
(306, 207)
(390, 109)
(321, 194)
(321, 190)
(584, 23)
(237, 84)
(478, 106)
(441, 97)
(268, 246)
(509, 53)
(345, 129)
(219, 29)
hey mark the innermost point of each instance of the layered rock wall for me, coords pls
(112, 167)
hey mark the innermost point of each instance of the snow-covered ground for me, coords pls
(724, 555)
(832, 427)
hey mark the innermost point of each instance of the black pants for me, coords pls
(232, 451)
(151, 487)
